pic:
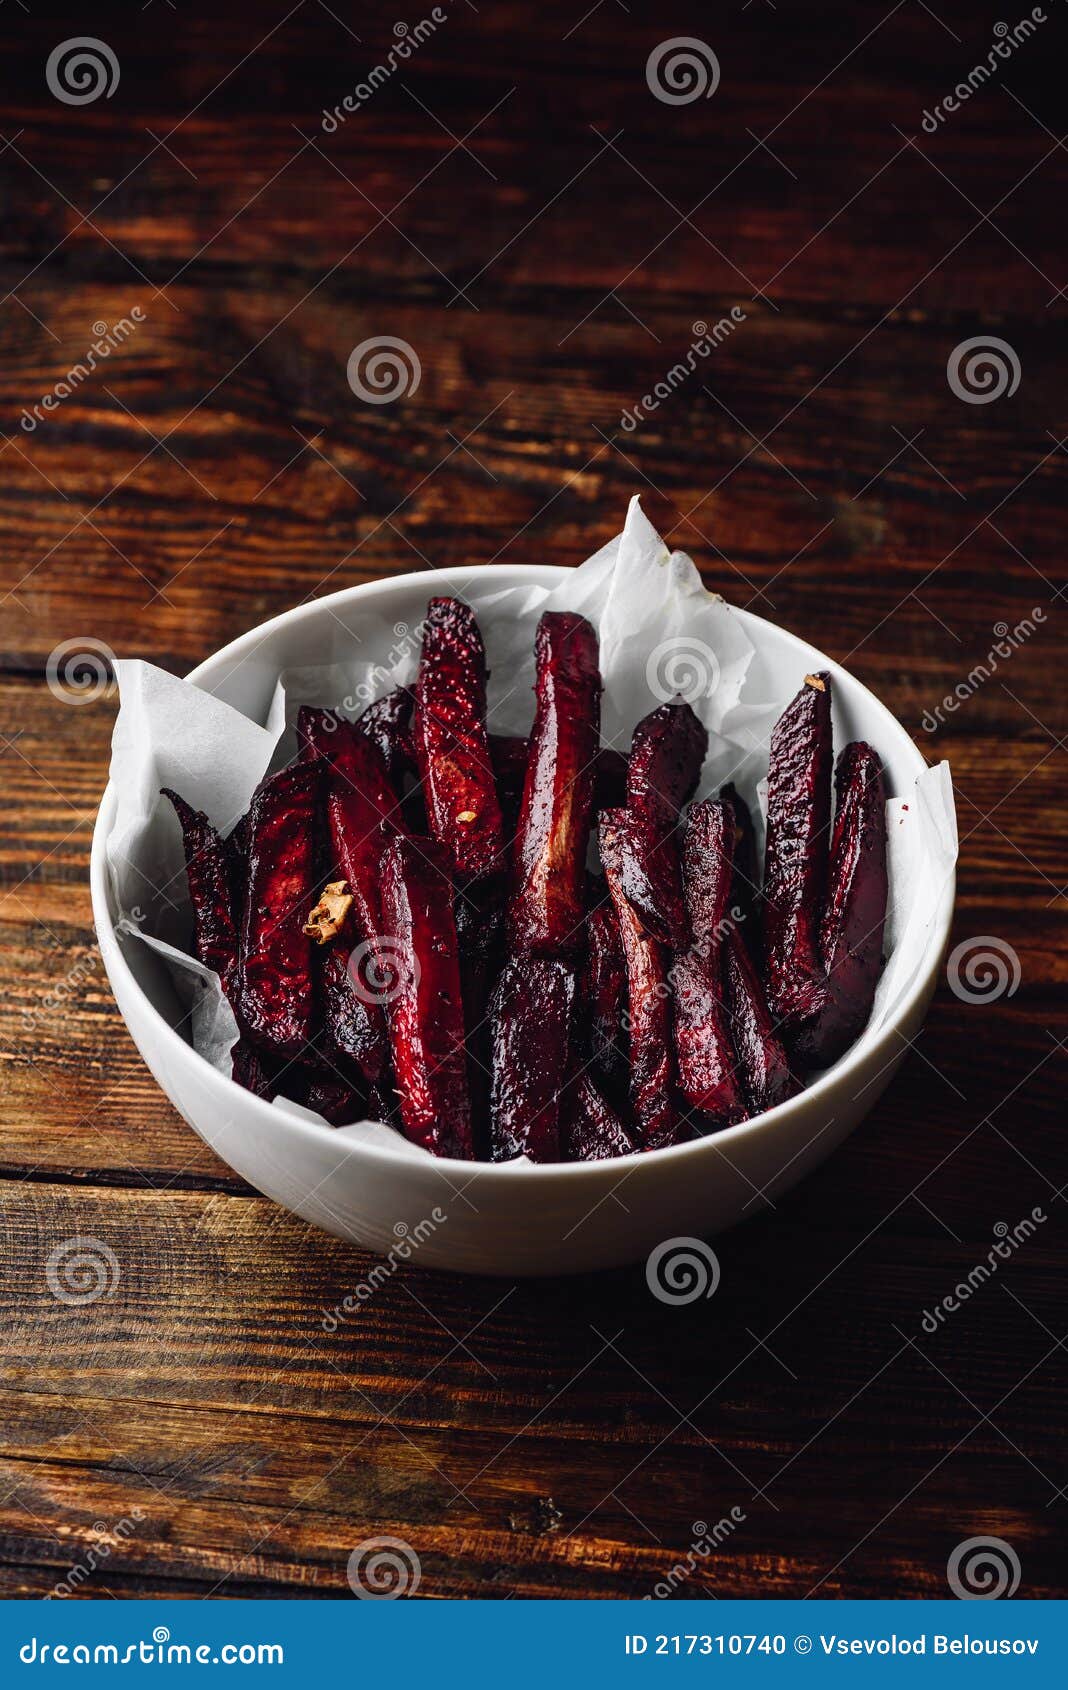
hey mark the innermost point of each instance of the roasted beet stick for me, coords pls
(547, 906)
(334, 1099)
(531, 1015)
(508, 754)
(667, 752)
(276, 994)
(207, 866)
(236, 843)
(745, 886)
(604, 991)
(795, 858)
(451, 743)
(425, 1003)
(762, 1061)
(317, 731)
(666, 756)
(363, 814)
(851, 933)
(252, 1071)
(593, 1131)
(651, 877)
(479, 913)
(708, 1069)
(355, 1019)
(386, 723)
(510, 766)
(652, 1063)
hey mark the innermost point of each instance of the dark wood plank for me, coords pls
(261, 1421)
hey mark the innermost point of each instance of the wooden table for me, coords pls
(515, 203)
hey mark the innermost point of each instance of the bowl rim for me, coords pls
(865, 1047)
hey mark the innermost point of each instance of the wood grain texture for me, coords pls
(210, 1425)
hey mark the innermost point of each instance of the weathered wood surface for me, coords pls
(201, 1422)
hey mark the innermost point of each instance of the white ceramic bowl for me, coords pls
(506, 1220)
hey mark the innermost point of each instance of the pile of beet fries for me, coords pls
(406, 928)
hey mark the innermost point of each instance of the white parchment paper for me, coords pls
(660, 632)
